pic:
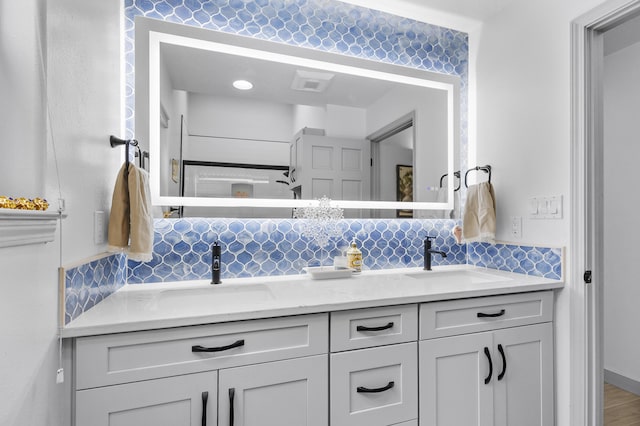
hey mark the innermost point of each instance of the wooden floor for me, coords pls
(621, 408)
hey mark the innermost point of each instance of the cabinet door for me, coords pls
(524, 393)
(452, 381)
(282, 393)
(173, 401)
(338, 168)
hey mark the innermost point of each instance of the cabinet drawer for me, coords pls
(374, 387)
(452, 317)
(121, 358)
(363, 328)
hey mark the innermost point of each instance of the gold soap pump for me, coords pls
(354, 257)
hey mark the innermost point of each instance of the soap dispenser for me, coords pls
(354, 257)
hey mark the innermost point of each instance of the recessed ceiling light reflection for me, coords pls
(243, 85)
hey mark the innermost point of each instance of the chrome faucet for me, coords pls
(428, 251)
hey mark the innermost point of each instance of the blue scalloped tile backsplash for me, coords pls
(88, 284)
(260, 247)
(539, 261)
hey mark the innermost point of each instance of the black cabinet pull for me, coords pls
(488, 354)
(504, 362)
(497, 314)
(236, 344)
(362, 389)
(205, 399)
(232, 394)
(382, 327)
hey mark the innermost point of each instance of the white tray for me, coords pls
(327, 272)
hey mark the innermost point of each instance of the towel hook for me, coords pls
(456, 174)
(115, 141)
(486, 169)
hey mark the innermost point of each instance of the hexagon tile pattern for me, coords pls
(251, 247)
(327, 25)
(88, 284)
(539, 261)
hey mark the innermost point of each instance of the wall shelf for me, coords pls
(22, 227)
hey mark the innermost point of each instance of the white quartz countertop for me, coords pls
(163, 305)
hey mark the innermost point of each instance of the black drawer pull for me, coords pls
(362, 389)
(504, 362)
(488, 354)
(497, 314)
(382, 327)
(205, 398)
(235, 344)
(232, 395)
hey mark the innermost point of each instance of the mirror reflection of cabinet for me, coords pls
(338, 168)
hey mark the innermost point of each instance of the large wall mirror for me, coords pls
(241, 127)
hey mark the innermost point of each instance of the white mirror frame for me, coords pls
(150, 34)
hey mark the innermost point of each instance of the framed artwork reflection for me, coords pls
(174, 170)
(404, 188)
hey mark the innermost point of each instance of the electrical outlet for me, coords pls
(98, 227)
(516, 227)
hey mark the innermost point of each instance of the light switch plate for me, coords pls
(549, 207)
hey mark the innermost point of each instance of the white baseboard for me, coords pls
(622, 382)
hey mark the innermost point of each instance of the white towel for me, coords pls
(130, 220)
(479, 221)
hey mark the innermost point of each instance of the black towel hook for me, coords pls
(115, 141)
(486, 169)
(456, 174)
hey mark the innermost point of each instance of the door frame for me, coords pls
(586, 324)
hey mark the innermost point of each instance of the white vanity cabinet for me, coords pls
(478, 361)
(167, 377)
(495, 365)
(374, 366)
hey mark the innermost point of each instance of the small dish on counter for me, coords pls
(328, 272)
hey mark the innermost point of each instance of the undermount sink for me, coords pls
(455, 277)
(248, 293)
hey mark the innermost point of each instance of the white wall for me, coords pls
(621, 201)
(174, 103)
(235, 117)
(28, 310)
(523, 125)
(337, 121)
(430, 153)
(236, 121)
(244, 131)
(391, 155)
(82, 59)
